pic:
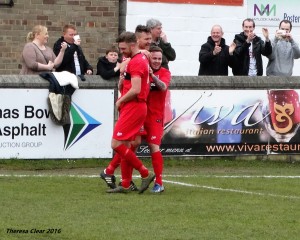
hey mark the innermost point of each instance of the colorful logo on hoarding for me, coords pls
(81, 124)
(264, 10)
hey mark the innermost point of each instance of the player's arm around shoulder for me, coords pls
(161, 81)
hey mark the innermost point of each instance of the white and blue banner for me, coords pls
(27, 132)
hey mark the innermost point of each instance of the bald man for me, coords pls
(215, 56)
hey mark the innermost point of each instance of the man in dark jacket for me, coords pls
(248, 51)
(74, 60)
(215, 56)
(159, 39)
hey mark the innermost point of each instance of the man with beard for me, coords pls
(133, 110)
(143, 36)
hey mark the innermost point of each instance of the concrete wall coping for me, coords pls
(178, 82)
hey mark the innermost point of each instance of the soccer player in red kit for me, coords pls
(154, 125)
(143, 35)
(132, 113)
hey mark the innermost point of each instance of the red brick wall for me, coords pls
(97, 23)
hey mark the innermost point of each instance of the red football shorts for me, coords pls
(131, 119)
(154, 128)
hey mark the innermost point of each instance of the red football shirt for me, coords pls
(133, 113)
(156, 98)
(156, 107)
(138, 66)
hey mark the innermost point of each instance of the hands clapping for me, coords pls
(232, 48)
(250, 37)
(265, 32)
(217, 49)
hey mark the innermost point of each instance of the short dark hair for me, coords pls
(142, 28)
(69, 26)
(249, 20)
(112, 49)
(128, 37)
(155, 49)
(286, 21)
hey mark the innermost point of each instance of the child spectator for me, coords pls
(108, 65)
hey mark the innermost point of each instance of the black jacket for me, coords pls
(68, 60)
(214, 64)
(242, 60)
(106, 69)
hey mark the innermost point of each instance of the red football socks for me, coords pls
(126, 173)
(129, 156)
(114, 163)
(157, 163)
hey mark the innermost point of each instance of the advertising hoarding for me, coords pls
(26, 130)
(231, 122)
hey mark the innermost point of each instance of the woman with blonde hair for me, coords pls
(36, 56)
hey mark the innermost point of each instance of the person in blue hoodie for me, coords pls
(108, 66)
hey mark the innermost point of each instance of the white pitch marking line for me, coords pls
(230, 190)
(233, 176)
(48, 175)
(137, 176)
(172, 182)
(263, 176)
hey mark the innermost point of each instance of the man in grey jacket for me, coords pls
(285, 50)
